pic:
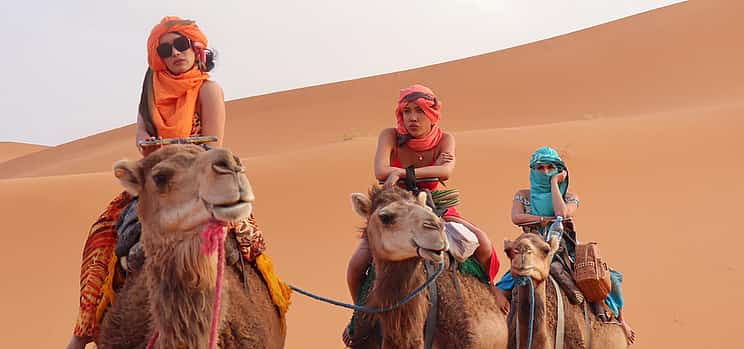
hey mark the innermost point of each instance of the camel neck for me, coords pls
(181, 289)
(541, 338)
(403, 326)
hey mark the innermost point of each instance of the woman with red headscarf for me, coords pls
(418, 141)
(178, 100)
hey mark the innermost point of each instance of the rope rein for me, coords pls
(522, 281)
(213, 238)
(432, 278)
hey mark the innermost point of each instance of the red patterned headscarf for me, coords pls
(427, 101)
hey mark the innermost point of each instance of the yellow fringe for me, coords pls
(280, 292)
(107, 289)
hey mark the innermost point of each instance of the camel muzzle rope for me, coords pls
(523, 281)
(432, 278)
(213, 238)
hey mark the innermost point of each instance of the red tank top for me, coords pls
(417, 159)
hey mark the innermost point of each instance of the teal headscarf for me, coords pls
(541, 199)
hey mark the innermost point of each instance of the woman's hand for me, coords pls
(444, 158)
(546, 221)
(146, 149)
(392, 179)
(559, 178)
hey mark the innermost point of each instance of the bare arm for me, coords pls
(572, 203)
(445, 163)
(212, 100)
(443, 167)
(385, 144)
(518, 215)
(560, 206)
(141, 134)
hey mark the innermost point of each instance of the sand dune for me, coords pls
(643, 197)
(669, 59)
(646, 111)
(12, 150)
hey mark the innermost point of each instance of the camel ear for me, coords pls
(128, 174)
(509, 248)
(361, 204)
(421, 198)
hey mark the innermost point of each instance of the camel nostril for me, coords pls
(433, 224)
(222, 167)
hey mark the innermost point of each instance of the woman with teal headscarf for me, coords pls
(534, 209)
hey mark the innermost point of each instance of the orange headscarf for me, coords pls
(424, 98)
(172, 98)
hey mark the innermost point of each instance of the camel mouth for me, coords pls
(527, 271)
(431, 255)
(434, 252)
(232, 212)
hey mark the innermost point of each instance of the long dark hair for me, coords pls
(144, 104)
(211, 58)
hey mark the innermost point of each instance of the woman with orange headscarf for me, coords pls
(417, 141)
(178, 100)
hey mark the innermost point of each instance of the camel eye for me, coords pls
(546, 249)
(387, 218)
(161, 179)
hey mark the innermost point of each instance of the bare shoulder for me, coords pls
(388, 134)
(448, 137)
(447, 144)
(211, 89)
(522, 194)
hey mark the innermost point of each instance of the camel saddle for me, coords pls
(591, 273)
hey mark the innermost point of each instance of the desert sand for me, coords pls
(646, 111)
(12, 150)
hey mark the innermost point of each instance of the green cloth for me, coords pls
(471, 267)
(367, 280)
(445, 198)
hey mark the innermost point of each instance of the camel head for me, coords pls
(399, 225)
(182, 187)
(531, 256)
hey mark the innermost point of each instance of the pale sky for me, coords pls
(75, 67)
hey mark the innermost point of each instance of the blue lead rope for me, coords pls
(362, 308)
(522, 281)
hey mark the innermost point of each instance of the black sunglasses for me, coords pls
(181, 44)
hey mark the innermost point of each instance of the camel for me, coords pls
(403, 232)
(181, 188)
(531, 257)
